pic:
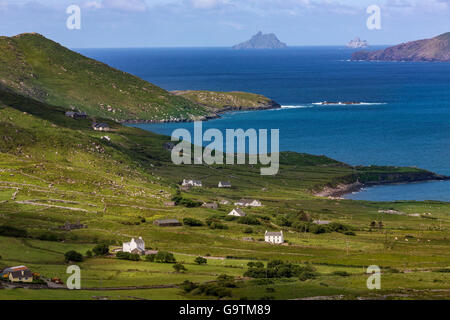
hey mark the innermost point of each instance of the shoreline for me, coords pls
(342, 189)
(214, 115)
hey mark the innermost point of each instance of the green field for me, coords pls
(54, 169)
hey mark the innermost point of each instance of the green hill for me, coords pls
(228, 101)
(42, 69)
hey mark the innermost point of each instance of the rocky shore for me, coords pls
(343, 189)
(214, 115)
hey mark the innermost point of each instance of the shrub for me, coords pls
(188, 286)
(150, 257)
(8, 231)
(73, 256)
(192, 222)
(249, 220)
(341, 273)
(305, 275)
(200, 260)
(248, 230)
(128, 256)
(188, 203)
(101, 249)
(89, 254)
(349, 233)
(48, 236)
(218, 225)
(165, 257)
(179, 267)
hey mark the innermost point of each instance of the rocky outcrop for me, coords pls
(261, 41)
(429, 50)
(358, 43)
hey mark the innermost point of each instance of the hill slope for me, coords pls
(434, 49)
(44, 70)
(227, 101)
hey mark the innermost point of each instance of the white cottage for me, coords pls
(248, 203)
(223, 184)
(237, 213)
(134, 246)
(191, 183)
(274, 237)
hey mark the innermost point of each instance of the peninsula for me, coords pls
(436, 49)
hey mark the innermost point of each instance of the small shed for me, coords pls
(167, 223)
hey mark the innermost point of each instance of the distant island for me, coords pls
(436, 49)
(358, 43)
(261, 41)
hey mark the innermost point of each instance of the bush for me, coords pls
(101, 249)
(200, 260)
(150, 257)
(188, 286)
(165, 257)
(89, 254)
(192, 222)
(8, 231)
(248, 230)
(349, 233)
(128, 256)
(48, 236)
(249, 220)
(188, 203)
(179, 267)
(218, 225)
(341, 273)
(73, 256)
(279, 269)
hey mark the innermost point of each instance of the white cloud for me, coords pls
(93, 5)
(125, 5)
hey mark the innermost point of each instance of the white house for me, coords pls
(134, 246)
(223, 184)
(191, 183)
(248, 203)
(237, 213)
(321, 222)
(274, 237)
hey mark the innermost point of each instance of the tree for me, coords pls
(101, 249)
(200, 260)
(73, 256)
(192, 222)
(165, 257)
(179, 267)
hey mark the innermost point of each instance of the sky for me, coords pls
(223, 23)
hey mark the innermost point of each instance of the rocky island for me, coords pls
(261, 41)
(357, 43)
(436, 49)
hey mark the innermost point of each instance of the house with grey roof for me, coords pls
(224, 184)
(274, 237)
(191, 183)
(134, 246)
(237, 213)
(248, 203)
(167, 223)
(100, 127)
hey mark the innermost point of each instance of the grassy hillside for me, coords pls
(224, 101)
(42, 69)
(54, 169)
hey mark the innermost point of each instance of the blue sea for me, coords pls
(406, 121)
